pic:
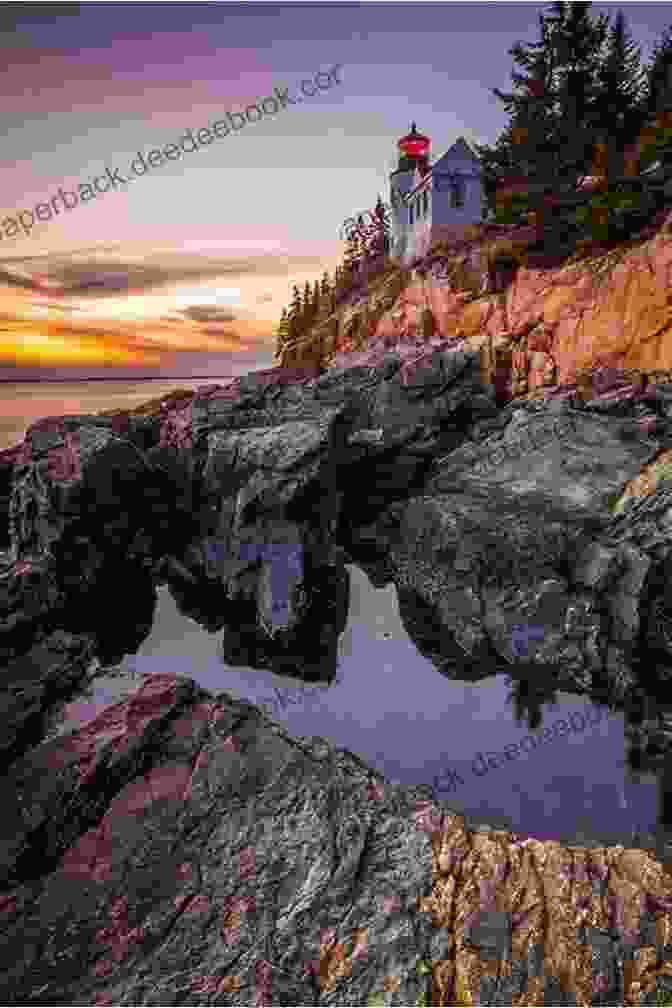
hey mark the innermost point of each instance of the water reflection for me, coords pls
(390, 706)
(530, 690)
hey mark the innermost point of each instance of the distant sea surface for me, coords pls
(22, 403)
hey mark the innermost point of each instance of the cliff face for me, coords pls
(536, 325)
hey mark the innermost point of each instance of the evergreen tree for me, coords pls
(307, 305)
(579, 45)
(552, 105)
(352, 255)
(336, 289)
(325, 289)
(282, 335)
(529, 140)
(659, 77)
(527, 144)
(294, 317)
(316, 299)
(618, 113)
(496, 161)
(381, 243)
(366, 233)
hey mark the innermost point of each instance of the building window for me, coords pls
(410, 213)
(457, 194)
(425, 203)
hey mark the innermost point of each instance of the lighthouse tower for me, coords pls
(413, 157)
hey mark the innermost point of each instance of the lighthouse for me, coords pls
(432, 202)
(413, 159)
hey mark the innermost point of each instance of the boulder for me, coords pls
(492, 537)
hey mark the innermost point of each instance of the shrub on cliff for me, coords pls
(614, 215)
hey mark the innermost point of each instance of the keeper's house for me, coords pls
(432, 202)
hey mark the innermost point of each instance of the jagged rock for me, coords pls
(179, 847)
(32, 600)
(33, 684)
(604, 312)
(271, 467)
(492, 538)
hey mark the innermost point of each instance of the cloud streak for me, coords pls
(152, 309)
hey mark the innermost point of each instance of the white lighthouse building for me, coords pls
(432, 202)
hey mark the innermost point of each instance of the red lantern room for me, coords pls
(413, 151)
(414, 144)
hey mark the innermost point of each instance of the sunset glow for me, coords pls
(185, 269)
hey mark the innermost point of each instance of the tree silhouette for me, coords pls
(315, 303)
(282, 335)
(307, 306)
(619, 111)
(352, 256)
(659, 76)
(381, 242)
(294, 316)
(579, 83)
(579, 43)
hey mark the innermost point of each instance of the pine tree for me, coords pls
(527, 145)
(366, 234)
(659, 76)
(579, 44)
(532, 102)
(352, 255)
(618, 113)
(315, 304)
(294, 317)
(382, 228)
(282, 335)
(552, 104)
(496, 161)
(325, 289)
(336, 289)
(307, 305)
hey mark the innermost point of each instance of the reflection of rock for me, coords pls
(120, 620)
(307, 651)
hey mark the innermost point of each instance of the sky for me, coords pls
(184, 270)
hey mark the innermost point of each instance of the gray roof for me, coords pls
(461, 148)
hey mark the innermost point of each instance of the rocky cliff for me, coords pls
(179, 847)
(541, 316)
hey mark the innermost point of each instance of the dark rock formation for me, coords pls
(251, 491)
(180, 848)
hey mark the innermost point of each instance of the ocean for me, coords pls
(22, 403)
